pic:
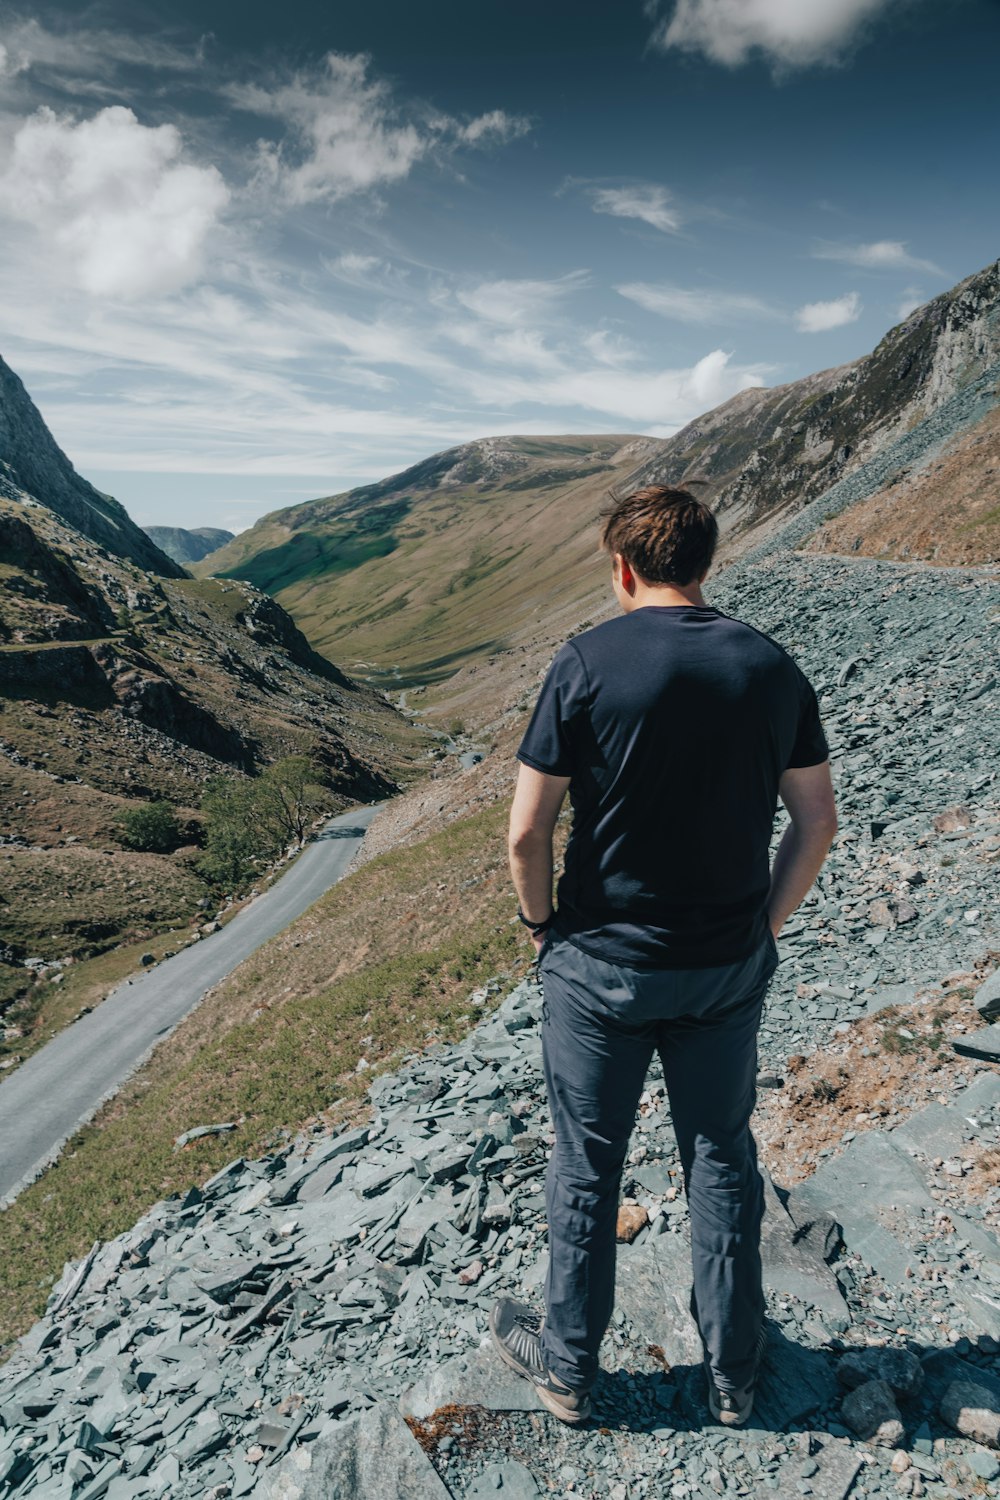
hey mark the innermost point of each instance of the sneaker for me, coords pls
(515, 1330)
(732, 1408)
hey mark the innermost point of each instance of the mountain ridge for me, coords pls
(32, 463)
(452, 558)
(121, 685)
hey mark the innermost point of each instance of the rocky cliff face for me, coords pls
(187, 546)
(32, 462)
(769, 451)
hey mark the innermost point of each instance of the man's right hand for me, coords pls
(807, 792)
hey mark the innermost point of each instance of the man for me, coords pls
(674, 728)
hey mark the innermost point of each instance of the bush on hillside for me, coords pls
(150, 828)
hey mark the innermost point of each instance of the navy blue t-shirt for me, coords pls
(674, 723)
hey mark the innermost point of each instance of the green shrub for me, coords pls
(151, 828)
(248, 821)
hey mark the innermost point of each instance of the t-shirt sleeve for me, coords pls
(810, 747)
(551, 735)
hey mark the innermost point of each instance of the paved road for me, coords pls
(62, 1086)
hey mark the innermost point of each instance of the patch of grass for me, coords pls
(988, 518)
(905, 1042)
(379, 966)
(314, 554)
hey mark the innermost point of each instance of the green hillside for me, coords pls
(443, 562)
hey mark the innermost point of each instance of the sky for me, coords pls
(254, 254)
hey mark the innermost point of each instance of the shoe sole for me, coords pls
(548, 1398)
(728, 1418)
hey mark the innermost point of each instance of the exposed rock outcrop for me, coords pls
(31, 461)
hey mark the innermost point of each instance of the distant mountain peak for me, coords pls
(186, 545)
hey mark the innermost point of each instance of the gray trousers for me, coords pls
(600, 1026)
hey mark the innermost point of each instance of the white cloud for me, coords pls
(696, 305)
(87, 60)
(128, 216)
(609, 348)
(645, 201)
(345, 133)
(820, 317)
(792, 33)
(881, 255)
(496, 125)
(519, 301)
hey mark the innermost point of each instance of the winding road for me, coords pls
(62, 1086)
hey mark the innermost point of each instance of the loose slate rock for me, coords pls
(509, 1481)
(898, 1368)
(987, 1000)
(984, 1044)
(872, 1413)
(371, 1455)
(973, 1410)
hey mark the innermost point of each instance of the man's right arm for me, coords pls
(807, 792)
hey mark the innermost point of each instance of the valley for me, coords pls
(859, 531)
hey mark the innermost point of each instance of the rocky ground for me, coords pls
(312, 1323)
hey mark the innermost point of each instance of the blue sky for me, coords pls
(254, 254)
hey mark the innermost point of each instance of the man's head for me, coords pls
(665, 536)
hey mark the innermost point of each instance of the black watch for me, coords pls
(536, 928)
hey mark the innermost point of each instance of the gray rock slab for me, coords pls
(987, 999)
(983, 1044)
(973, 1410)
(373, 1455)
(511, 1481)
(478, 1378)
(869, 1188)
(792, 1257)
(794, 1382)
(653, 1286)
(982, 1094)
(838, 1468)
(936, 1130)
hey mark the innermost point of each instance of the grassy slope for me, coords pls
(453, 573)
(382, 963)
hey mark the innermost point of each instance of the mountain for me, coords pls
(464, 554)
(445, 560)
(767, 452)
(188, 546)
(32, 462)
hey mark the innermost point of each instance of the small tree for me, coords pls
(236, 833)
(151, 827)
(290, 797)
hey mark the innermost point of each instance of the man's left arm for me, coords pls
(537, 800)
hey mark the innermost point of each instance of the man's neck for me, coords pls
(665, 594)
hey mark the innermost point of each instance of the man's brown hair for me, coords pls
(665, 535)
